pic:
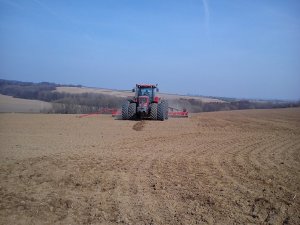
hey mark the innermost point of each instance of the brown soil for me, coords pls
(139, 125)
(240, 167)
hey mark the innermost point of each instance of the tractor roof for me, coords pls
(146, 86)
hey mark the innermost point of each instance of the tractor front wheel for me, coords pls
(161, 111)
(166, 109)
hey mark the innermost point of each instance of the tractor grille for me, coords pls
(143, 101)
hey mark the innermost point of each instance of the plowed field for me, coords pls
(238, 167)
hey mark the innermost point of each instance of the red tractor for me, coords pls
(145, 104)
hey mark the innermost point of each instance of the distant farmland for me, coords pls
(11, 104)
(69, 99)
(119, 93)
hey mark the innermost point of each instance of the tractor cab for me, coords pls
(145, 91)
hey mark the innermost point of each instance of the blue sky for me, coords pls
(234, 48)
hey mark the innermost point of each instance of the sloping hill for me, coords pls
(11, 104)
(118, 93)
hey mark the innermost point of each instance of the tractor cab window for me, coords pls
(146, 92)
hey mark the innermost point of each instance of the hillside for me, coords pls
(78, 99)
(118, 93)
(11, 104)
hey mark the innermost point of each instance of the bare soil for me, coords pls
(238, 167)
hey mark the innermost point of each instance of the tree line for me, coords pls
(91, 102)
(196, 106)
(62, 102)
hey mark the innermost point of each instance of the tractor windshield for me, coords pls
(146, 92)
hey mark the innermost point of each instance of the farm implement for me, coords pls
(111, 111)
(177, 113)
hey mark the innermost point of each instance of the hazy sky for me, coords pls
(233, 48)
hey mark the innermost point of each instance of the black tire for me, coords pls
(161, 111)
(125, 107)
(153, 111)
(132, 111)
(166, 109)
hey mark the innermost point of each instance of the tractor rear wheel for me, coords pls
(153, 111)
(125, 107)
(161, 111)
(166, 109)
(132, 111)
